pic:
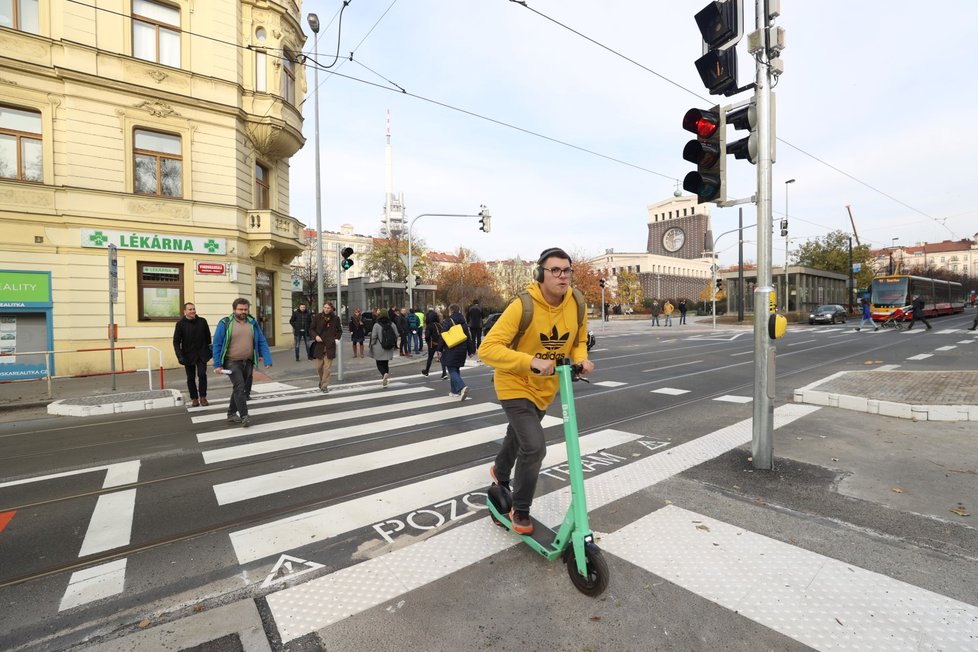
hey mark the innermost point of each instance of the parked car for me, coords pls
(830, 313)
(489, 321)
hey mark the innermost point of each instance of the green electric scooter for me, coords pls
(573, 541)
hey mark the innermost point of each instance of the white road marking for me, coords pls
(945, 348)
(730, 398)
(921, 356)
(608, 383)
(318, 419)
(671, 391)
(271, 483)
(734, 355)
(672, 366)
(338, 434)
(319, 401)
(816, 600)
(298, 530)
(111, 523)
(115, 475)
(326, 600)
(800, 343)
(94, 583)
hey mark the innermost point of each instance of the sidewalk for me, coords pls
(92, 395)
(20, 401)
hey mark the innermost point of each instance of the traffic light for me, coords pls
(719, 284)
(721, 26)
(484, 218)
(347, 262)
(708, 152)
(784, 228)
(601, 283)
(744, 117)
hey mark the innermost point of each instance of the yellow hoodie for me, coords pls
(550, 335)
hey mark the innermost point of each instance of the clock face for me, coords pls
(673, 239)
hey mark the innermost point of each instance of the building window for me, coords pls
(20, 14)
(156, 32)
(261, 187)
(288, 77)
(159, 166)
(261, 64)
(20, 144)
(160, 291)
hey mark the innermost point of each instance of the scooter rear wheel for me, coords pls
(596, 580)
(502, 500)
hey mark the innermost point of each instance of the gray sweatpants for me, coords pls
(524, 446)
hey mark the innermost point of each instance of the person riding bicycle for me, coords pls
(524, 374)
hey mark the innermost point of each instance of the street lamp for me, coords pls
(314, 26)
(713, 266)
(786, 244)
(483, 213)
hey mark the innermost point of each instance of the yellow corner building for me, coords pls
(162, 130)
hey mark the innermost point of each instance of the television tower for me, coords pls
(393, 220)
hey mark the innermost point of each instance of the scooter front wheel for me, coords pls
(596, 580)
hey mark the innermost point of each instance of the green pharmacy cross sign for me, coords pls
(98, 238)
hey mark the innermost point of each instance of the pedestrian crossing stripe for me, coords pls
(819, 601)
(298, 403)
(274, 537)
(295, 478)
(325, 600)
(671, 391)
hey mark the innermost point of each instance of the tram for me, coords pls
(894, 291)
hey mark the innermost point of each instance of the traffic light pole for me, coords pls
(762, 440)
(339, 312)
(410, 257)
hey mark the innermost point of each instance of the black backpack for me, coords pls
(388, 336)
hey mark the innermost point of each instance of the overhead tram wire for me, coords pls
(523, 4)
(501, 123)
(399, 89)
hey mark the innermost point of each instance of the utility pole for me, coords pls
(762, 440)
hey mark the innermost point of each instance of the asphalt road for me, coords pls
(159, 515)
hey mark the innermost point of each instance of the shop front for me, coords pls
(265, 302)
(25, 324)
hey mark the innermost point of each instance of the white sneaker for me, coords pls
(465, 392)
(384, 382)
(453, 394)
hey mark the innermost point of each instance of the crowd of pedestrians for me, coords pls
(239, 344)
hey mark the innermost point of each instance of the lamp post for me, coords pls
(410, 256)
(713, 266)
(892, 247)
(786, 244)
(314, 26)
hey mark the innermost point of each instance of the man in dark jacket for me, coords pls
(192, 344)
(325, 330)
(301, 321)
(918, 312)
(474, 317)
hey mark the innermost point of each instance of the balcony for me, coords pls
(270, 230)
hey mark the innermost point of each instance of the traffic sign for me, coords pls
(113, 273)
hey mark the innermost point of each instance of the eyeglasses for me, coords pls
(560, 271)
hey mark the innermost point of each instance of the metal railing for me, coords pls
(121, 349)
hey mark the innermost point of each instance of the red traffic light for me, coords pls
(702, 123)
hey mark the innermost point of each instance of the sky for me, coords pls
(872, 112)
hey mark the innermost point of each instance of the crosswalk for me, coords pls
(455, 538)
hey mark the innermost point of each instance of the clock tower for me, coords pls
(677, 227)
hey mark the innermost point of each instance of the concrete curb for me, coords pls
(812, 395)
(127, 402)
